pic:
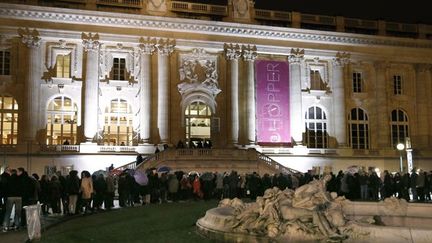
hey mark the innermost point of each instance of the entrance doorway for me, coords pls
(198, 125)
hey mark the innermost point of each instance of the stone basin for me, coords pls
(394, 222)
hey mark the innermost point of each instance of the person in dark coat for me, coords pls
(44, 194)
(72, 190)
(100, 188)
(123, 189)
(139, 159)
(55, 191)
(3, 183)
(14, 193)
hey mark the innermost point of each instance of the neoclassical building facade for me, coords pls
(84, 84)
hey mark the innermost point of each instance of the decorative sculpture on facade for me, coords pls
(198, 70)
(308, 213)
(90, 41)
(29, 37)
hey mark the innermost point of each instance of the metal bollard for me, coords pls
(33, 221)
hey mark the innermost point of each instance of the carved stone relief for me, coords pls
(198, 71)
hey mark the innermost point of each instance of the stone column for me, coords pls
(91, 86)
(296, 124)
(32, 40)
(338, 87)
(382, 114)
(423, 82)
(146, 49)
(164, 51)
(232, 54)
(249, 55)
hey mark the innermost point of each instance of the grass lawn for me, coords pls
(169, 222)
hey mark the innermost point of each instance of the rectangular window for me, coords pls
(63, 66)
(4, 62)
(397, 84)
(357, 82)
(316, 82)
(119, 69)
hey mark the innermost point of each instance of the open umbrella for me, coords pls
(163, 169)
(100, 172)
(141, 178)
(193, 173)
(352, 169)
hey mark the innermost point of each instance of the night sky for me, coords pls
(414, 11)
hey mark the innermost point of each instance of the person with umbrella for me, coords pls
(164, 169)
(142, 180)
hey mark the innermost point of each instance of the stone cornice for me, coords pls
(37, 13)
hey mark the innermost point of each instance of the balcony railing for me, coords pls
(117, 148)
(73, 1)
(198, 8)
(121, 3)
(272, 15)
(318, 19)
(60, 148)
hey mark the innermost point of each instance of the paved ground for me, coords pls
(22, 236)
(46, 221)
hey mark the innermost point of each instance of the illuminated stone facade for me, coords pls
(124, 81)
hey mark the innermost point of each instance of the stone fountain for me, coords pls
(311, 214)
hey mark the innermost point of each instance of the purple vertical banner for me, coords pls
(273, 119)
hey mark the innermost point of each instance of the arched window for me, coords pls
(316, 128)
(8, 120)
(198, 119)
(399, 127)
(358, 123)
(118, 128)
(62, 115)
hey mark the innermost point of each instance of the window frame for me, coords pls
(359, 128)
(357, 82)
(113, 114)
(397, 84)
(313, 136)
(12, 137)
(399, 128)
(53, 124)
(5, 62)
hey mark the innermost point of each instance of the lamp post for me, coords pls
(400, 147)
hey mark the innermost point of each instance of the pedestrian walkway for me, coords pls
(47, 221)
(22, 236)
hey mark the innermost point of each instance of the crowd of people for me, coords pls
(73, 194)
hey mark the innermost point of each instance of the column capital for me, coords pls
(165, 47)
(422, 67)
(29, 37)
(90, 41)
(232, 51)
(296, 56)
(341, 59)
(147, 46)
(249, 53)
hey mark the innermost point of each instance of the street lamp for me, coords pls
(400, 147)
